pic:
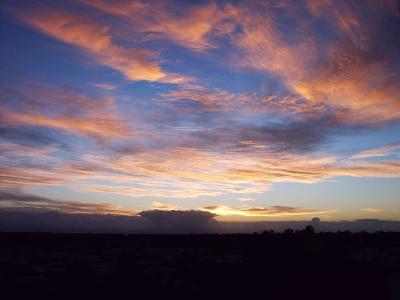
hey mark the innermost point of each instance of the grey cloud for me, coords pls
(35, 219)
(192, 221)
(29, 136)
(10, 199)
(32, 220)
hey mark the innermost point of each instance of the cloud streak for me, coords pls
(273, 211)
(97, 43)
(372, 210)
(12, 200)
(63, 109)
(377, 152)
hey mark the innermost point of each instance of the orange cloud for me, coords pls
(347, 71)
(96, 41)
(186, 173)
(164, 206)
(194, 27)
(97, 126)
(68, 110)
(368, 92)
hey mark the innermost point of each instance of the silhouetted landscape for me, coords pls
(293, 264)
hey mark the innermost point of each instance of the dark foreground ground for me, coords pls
(300, 265)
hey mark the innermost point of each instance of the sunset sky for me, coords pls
(269, 110)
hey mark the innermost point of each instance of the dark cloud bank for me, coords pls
(165, 222)
(29, 213)
(24, 212)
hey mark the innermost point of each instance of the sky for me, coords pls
(248, 110)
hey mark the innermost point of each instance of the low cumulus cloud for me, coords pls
(26, 212)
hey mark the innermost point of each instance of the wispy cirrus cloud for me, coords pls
(105, 86)
(251, 159)
(193, 26)
(188, 173)
(24, 176)
(220, 100)
(96, 41)
(377, 152)
(337, 70)
(18, 150)
(63, 109)
(352, 66)
(244, 199)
